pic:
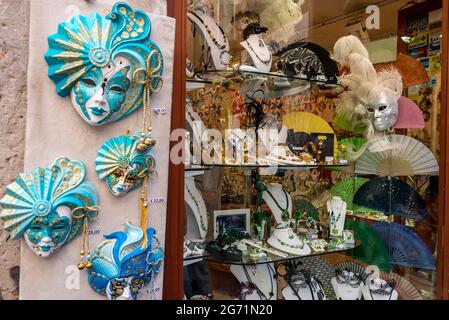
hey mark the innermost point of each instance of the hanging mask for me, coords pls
(385, 111)
(101, 62)
(39, 205)
(124, 162)
(125, 263)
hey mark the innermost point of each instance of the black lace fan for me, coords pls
(306, 58)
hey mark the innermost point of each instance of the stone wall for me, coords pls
(14, 25)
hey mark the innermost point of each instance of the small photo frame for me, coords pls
(237, 220)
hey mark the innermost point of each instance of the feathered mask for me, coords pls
(372, 97)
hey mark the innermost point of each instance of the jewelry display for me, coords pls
(50, 206)
(284, 239)
(214, 36)
(302, 285)
(259, 52)
(261, 278)
(347, 285)
(94, 59)
(196, 202)
(336, 208)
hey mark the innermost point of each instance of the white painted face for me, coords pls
(384, 112)
(47, 234)
(100, 93)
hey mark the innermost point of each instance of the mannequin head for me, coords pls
(347, 285)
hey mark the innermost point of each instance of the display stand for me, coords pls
(259, 52)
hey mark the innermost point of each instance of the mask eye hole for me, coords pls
(117, 89)
(117, 174)
(370, 110)
(131, 178)
(382, 107)
(88, 82)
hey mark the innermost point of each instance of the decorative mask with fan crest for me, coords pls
(124, 164)
(39, 206)
(99, 61)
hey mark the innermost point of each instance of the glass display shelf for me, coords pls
(256, 166)
(270, 258)
(197, 257)
(191, 168)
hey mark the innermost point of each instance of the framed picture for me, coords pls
(237, 220)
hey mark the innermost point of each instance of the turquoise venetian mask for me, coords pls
(101, 63)
(39, 205)
(123, 164)
(125, 263)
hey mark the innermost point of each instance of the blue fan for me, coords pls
(392, 197)
(405, 247)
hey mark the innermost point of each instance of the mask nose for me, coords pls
(99, 98)
(46, 240)
(126, 293)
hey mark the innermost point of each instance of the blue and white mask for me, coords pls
(101, 62)
(39, 205)
(125, 263)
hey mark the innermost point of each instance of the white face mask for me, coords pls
(384, 113)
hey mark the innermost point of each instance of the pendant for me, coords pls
(261, 43)
(285, 216)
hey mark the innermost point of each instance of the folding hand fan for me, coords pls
(403, 156)
(405, 289)
(405, 247)
(346, 190)
(371, 250)
(305, 206)
(411, 70)
(343, 120)
(392, 197)
(410, 115)
(353, 147)
(309, 123)
(353, 267)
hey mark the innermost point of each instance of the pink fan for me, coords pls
(410, 116)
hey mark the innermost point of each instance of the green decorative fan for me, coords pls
(372, 249)
(343, 120)
(302, 205)
(353, 146)
(346, 190)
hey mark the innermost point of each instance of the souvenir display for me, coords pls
(392, 197)
(50, 206)
(124, 164)
(372, 249)
(324, 270)
(403, 156)
(405, 247)
(100, 61)
(125, 263)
